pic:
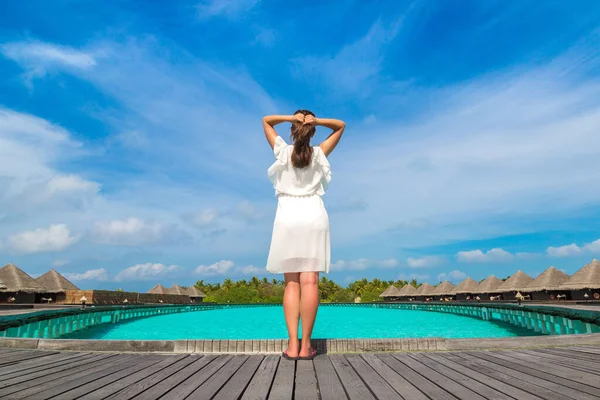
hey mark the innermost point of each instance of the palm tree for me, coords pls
(227, 284)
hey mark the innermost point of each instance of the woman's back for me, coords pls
(289, 180)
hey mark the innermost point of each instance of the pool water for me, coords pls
(332, 322)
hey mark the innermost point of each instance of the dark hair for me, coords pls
(301, 135)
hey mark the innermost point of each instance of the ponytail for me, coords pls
(301, 134)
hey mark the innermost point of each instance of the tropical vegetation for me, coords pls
(257, 290)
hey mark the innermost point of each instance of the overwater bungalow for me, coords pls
(488, 288)
(407, 292)
(547, 286)
(19, 286)
(56, 286)
(466, 289)
(158, 289)
(391, 293)
(176, 289)
(514, 284)
(443, 291)
(423, 292)
(585, 283)
(196, 296)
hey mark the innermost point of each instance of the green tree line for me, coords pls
(257, 290)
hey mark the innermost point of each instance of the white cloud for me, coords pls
(219, 268)
(39, 58)
(251, 270)
(362, 264)
(478, 256)
(205, 217)
(147, 271)
(94, 274)
(424, 262)
(593, 247)
(564, 251)
(131, 231)
(227, 8)
(55, 238)
(453, 276)
(70, 184)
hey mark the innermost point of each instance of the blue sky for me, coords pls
(132, 150)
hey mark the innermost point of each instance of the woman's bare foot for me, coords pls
(293, 348)
(307, 353)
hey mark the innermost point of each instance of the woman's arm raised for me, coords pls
(270, 121)
(332, 140)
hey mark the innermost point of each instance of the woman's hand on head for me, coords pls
(299, 118)
(310, 120)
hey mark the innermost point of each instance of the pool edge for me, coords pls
(273, 346)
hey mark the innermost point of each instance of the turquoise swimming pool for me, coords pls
(332, 322)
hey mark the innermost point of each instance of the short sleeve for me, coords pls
(279, 147)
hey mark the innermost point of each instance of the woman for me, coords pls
(300, 242)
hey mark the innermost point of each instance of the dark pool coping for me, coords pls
(271, 346)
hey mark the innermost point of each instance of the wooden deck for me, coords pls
(553, 373)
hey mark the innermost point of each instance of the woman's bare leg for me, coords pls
(309, 303)
(291, 310)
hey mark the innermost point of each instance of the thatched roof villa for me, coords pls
(175, 289)
(158, 289)
(407, 291)
(512, 285)
(546, 285)
(19, 285)
(584, 282)
(54, 282)
(194, 292)
(465, 289)
(443, 289)
(390, 292)
(423, 291)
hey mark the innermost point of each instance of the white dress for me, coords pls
(300, 241)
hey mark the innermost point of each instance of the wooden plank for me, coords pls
(24, 382)
(590, 350)
(398, 383)
(566, 377)
(164, 386)
(464, 380)
(134, 378)
(46, 363)
(442, 381)
(84, 389)
(483, 378)
(378, 386)
(424, 385)
(519, 379)
(283, 384)
(354, 386)
(306, 381)
(234, 388)
(57, 372)
(330, 387)
(573, 355)
(58, 386)
(499, 376)
(260, 385)
(131, 391)
(22, 356)
(561, 362)
(183, 390)
(209, 388)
